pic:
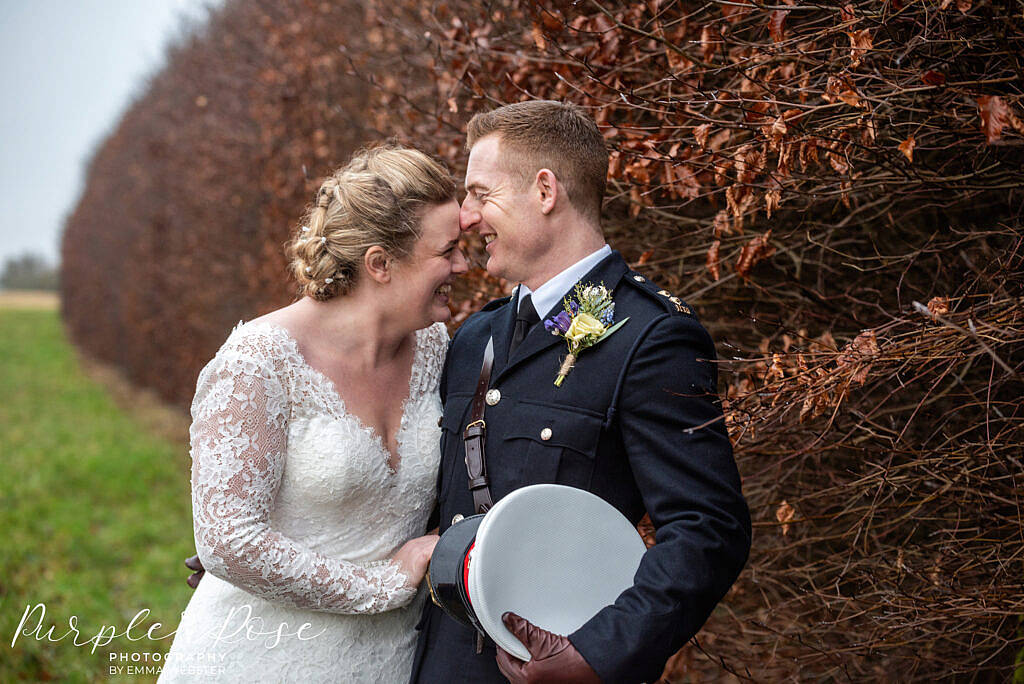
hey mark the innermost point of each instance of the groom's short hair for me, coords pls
(554, 135)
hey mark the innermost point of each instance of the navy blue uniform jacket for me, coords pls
(636, 422)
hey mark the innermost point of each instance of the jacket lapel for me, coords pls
(608, 271)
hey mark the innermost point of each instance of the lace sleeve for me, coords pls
(239, 441)
(434, 343)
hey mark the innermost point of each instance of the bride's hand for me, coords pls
(414, 557)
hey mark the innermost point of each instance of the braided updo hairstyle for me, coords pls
(375, 199)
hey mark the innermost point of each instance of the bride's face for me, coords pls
(425, 278)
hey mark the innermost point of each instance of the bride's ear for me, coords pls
(377, 263)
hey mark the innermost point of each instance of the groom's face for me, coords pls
(505, 214)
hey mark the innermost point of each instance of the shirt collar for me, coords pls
(550, 293)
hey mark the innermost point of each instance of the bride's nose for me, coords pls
(460, 264)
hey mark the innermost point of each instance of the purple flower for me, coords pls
(558, 324)
(574, 308)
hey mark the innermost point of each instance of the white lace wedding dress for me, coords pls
(296, 510)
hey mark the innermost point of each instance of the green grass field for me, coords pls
(95, 514)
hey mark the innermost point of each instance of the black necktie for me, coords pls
(525, 319)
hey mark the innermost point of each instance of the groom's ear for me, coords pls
(546, 186)
(377, 263)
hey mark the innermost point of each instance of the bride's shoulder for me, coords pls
(261, 347)
(432, 342)
(260, 337)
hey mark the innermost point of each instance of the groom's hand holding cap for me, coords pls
(555, 659)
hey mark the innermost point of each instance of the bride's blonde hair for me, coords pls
(375, 199)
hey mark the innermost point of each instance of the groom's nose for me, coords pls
(469, 216)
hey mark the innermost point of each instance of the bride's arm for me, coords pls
(239, 440)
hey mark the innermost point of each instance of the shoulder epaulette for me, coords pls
(669, 301)
(495, 303)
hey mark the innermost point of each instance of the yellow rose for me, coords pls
(582, 325)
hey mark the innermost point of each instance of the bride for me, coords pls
(315, 442)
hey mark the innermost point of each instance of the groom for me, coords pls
(637, 421)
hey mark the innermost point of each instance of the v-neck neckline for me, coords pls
(393, 461)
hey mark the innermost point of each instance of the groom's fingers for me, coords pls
(193, 563)
(538, 641)
(521, 629)
(193, 579)
(510, 666)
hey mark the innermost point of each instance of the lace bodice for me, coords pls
(293, 498)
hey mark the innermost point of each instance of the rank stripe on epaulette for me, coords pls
(680, 307)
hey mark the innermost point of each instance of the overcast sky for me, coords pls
(68, 70)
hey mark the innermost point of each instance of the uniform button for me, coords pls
(457, 518)
(439, 419)
(545, 434)
(492, 397)
(639, 278)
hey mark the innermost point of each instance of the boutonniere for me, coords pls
(586, 320)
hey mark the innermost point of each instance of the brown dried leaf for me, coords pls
(755, 251)
(609, 39)
(719, 139)
(777, 25)
(700, 134)
(809, 154)
(735, 11)
(645, 257)
(784, 513)
(721, 224)
(712, 259)
(865, 344)
(861, 375)
(710, 41)
(938, 306)
(677, 62)
(850, 97)
(552, 20)
(933, 78)
(838, 162)
(868, 134)
(772, 198)
(775, 131)
(993, 116)
(636, 203)
(1014, 121)
(964, 6)
(860, 43)
(686, 185)
(907, 148)
(749, 163)
(538, 37)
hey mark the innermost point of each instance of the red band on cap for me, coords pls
(465, 572)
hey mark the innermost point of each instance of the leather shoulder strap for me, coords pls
(475, 434)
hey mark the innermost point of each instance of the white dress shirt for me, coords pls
(550, 293)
